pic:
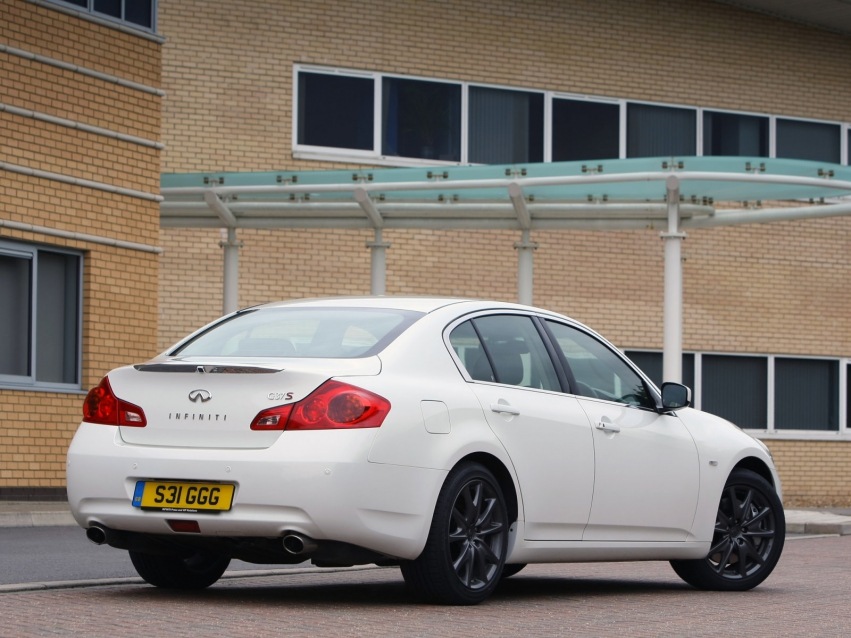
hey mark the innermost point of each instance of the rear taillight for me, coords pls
(332, 406)
(103, 407)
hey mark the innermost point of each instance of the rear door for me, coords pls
(545, 432)
(646, 478)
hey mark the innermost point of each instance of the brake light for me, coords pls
(332, 406)
(103, 407)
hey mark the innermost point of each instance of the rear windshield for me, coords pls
(324, 333)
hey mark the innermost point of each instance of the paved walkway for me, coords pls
(50, 513)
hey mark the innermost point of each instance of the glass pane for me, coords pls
(651, 365)
(421, 119)
(660, 131)
(848, 397)
(808, 140)
(517, 351)
(57, 318)
(342, 333)
(806, 394)
(598, 371)
(138, 12)
(336, 111)
(15, 315)
(585, 130)
(79, 3)
(506, 127)
(469, 349)
(736, 389)
(109, 7)
(737, 135)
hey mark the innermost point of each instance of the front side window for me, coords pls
(660, 131)
(40, 301)
(335, 111)
(321, 333)
(506, 127)
(421, 119)
(598, 371)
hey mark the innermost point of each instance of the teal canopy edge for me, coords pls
(653, 190)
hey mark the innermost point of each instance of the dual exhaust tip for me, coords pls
(293, 543)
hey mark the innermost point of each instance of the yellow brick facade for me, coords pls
(776, 289)
(119, 285)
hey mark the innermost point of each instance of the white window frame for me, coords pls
(30, 251)
(374, 157)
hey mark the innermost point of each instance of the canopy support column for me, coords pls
(525, 269)
(230, 286)
(672, 347)
(378, 264)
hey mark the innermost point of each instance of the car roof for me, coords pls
(408, 302)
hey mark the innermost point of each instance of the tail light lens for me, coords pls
(332, 406)
(103, 407)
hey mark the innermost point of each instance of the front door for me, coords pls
(545, 432)
(646, 477)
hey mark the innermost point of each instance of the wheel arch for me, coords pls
(503, 477)
(756, 466)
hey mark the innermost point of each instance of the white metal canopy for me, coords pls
(674, 194)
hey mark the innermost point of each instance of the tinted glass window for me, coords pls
(469, 349)
(15, 315)
(506, 127)
(342, 333)
(138, 11)
(109, 7)
(660, 131)
(598, 371)
(58, 307)
(806, 394)
(651, 365)
(735, 388)
(808, 140)
(336, 111)
(517, 351)
(421, 119)
(585, 130)
(733, 134)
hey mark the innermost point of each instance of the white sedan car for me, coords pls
(458, 439)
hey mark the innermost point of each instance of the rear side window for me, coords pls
(513, 352)
(322, 333)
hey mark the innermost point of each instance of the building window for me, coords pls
(735, 134)
(336, 111)
(138, 13)
(651, 365)
(736, 388)
(506, 127)
(806, 394)
(660, 131)
(815, 141)
(421, 119)
(40, 304)
(584, 130)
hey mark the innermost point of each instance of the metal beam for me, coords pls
(224, 213)
(672, 346)
(515, 193)
(368, 206)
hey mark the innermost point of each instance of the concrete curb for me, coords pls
(36, 519)
(814, 522)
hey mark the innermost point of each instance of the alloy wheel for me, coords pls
(476, 534)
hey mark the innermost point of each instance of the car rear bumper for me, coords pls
(316, 483)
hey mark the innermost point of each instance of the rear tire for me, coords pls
(172, 572)
(467, 543)
(750, 529)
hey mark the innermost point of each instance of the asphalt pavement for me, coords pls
(44, 554)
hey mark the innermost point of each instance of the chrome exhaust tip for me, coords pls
(97, 535)
(299, 544)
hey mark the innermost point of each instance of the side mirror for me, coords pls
(675, 396)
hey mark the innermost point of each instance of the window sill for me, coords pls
(801, 435)
(41, 388)
(370, 160)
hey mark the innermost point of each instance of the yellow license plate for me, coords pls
(169, 496)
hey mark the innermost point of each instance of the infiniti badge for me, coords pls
(203, 395)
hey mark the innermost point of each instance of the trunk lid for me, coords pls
(204, 403)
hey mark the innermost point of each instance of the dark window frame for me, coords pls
(89, 8)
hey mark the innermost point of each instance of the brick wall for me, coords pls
(119, 285)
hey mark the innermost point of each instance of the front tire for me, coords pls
(750, 529)
(172, 572)
(467, 543)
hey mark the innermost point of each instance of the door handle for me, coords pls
(607, 426)
(504, 409)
